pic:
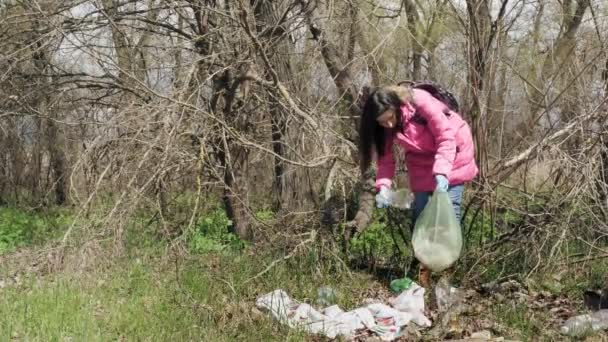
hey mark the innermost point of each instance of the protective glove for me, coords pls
(442, 183)
(383, 197)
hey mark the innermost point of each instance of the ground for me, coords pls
(204, 286)
(156, 296)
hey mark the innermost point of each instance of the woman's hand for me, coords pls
(442, 183)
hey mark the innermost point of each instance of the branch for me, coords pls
(366, 208)
(313, 235)
(533, 150)
(339, 71)
(494, 27)
(273, 74)
(165, 26)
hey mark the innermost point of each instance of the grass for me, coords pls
(204, 298)
(150, 296)
(143, 298)
(19, 227)
(518, 318)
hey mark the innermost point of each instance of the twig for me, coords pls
(350, 274)
(273, 74)
(230, 285)
(313, 235)
(585, 260)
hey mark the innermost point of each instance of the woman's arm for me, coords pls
(386, 165)
(438, 123)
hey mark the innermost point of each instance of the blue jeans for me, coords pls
(422, 198)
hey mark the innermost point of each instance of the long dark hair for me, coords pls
(371, 134)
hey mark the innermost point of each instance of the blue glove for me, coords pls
(383, 198)
(442, 183)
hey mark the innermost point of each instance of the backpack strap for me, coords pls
(436, 90)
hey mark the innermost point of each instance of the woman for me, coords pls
(439, 150)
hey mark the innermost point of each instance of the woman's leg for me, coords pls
(422, 198)
(455, 193)
(420, 201)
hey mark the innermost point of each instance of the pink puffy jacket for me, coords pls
(442, 145)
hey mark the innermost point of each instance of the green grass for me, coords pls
(518, 318)
(143, 298)
(211, 234)
(208, 296)
(19, 228)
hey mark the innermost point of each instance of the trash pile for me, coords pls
(385, 321)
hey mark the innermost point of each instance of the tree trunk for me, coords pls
(602, 178)
(235, 159)
(481, 31)
(413, 24)
(58, 162)
(232, 157)
(54, 143)
(557, 59)
(341, 72)
(130, 58)
(274, 33)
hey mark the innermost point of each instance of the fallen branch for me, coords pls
(596, 257)
(366, 209)
(313, 236)
(506, 167)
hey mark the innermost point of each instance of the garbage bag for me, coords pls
(437, 237)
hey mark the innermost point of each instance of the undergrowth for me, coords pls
(211, 234)
(209, 294)
(20, 228)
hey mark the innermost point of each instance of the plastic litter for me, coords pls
(332, 311)
(399, 285)
(326, 296)
(389, 316)
(383, 320)
(389, 322)
(437, 237)
(412, 301)
(303, 316)
(401, 199)
(447, 297)
(482, 335)
(585, 324)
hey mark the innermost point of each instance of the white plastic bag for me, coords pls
(437, 237)
(332, 323)
(412, 302)
(384, 321)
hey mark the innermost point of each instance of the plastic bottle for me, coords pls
(586, 324)
(326, 296)
(400, 285)
(401, 199)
